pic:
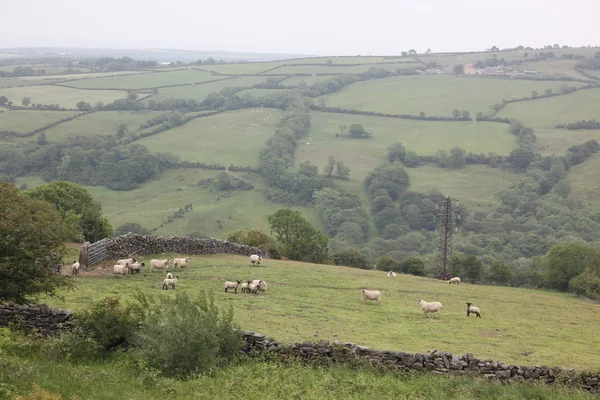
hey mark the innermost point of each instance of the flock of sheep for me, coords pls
(257, 286)
(426, 306)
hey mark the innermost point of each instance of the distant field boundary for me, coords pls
(436, 361)
(22, 135)
(141, 89)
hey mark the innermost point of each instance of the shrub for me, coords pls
(586, 284)
(72, 345)
(351, 258)
(109, 323)
(413, 266)
(183, 337)
(37, 393)
(384, 263)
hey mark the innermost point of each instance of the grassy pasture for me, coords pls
(557, 141)
(15, 82)
(154, 201)
(307, 301)
(102, 122)
(149, 80)
(466, 58)
(338, 69)
(585, 185)
(49, 69)
(559, 67)
(200, 91)
(260, 93)
(82, 76)
(242, 68)
(27, 121)
(343, 60)
(547, 113)
(64, 96)
(434, 94)
(309, 80)
(226, 138)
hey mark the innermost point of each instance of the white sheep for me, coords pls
(255, 259)
(159, 264)
(456, 280)
(262, 287)
(136, 267)
(75, 268)
(170, 282)
(245, 286)
(391, 274)
(473, 309)
(252, 286)
(119, 269)
(371, 295)
(232, 285)
(169, 275)
(181, 262)
(430, 307)
(126, 261)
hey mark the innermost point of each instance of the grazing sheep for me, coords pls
(170, 282)
(159, 264)
(430, 307)
(119, 269)
(456, 280)
(261, 287)
(136, 267)
(391, 274)
(371, 295)
(181, 262)
(232, 285)
(252, 285)
(245, 286)
(126, 261)
(255, 260)
(75, 268)
(474, 310)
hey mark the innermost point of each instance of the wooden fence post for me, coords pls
(83, 255)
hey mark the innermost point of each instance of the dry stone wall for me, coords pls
(43, 318)
(436, 361)
(132, 245)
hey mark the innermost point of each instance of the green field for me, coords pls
(274, 93)
(102, 122)
(27, 121)
(547, 113)
(435, 95)
(64, 96)
(144, 81)
(559, 67)
(343, 60)
(307, 301)
(233, 137)
(309, 80)
(557, 141)
(336, 69)
(585, 185)
(89, 75)
(241, 68)
(200, 91)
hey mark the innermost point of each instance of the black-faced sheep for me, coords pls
(170, 282)
(391, 274)
(181, 262)
(232, 285)
(473, 309)
(75, 268)
(119, 269)
(456, 280)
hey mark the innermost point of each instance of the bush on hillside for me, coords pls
(586, 284)
(184, 337)
(351, 258)
(412, 266)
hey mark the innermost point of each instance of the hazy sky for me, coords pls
(323, 27)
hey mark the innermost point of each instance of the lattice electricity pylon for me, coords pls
(444, 257)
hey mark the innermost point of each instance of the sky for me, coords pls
(316, 27)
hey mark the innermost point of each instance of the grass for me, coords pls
(261, 93)
(435, 94)
(226, 138)
(547, 113)
(557, 141)
(89, 75)
(257, 380)
(241, 68)
(101, 122)
(584, 182)
(559, 67)
(474, 185)
(199, 92)
(64, 96)
(309, 80)
(342, 60)
(338, 69)
(315, 302)
(142, 81)
(26, 121)
(213, 214)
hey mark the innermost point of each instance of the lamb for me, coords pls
(473, 309)
(391, 274)
(245, 286)
(232, 285)
(126, 261)
(169, 275)
(456, 280)
(430, 307)
(75, 268)
(136, 267)
(181, 262)
(170, 282)
(255, 260)
(252, 285)
(159, 264)
(371, 295)
(119, 269)
(262, 287)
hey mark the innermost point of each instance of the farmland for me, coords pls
(414, 94)
(200, 91)
(64, 96)
(26, 121)
(336, 69)
(142, 81)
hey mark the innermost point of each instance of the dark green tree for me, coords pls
(500, 273)
(298, 239)
(133, 228)
(568, 260)
(342, 170)
(459, 69)
(32, 238)
(329, 167)
(396, 152)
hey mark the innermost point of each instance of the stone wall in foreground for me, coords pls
(43, 318)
